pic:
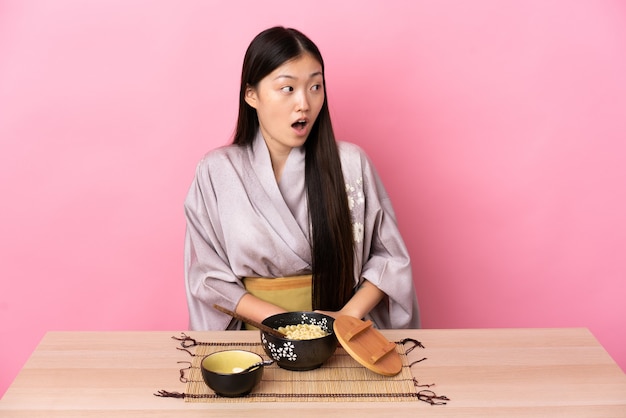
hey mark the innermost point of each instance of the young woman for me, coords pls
(286, 218)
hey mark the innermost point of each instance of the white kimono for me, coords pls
(242, 223)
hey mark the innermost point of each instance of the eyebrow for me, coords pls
(315, 74)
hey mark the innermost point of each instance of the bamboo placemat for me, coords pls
(339, 379)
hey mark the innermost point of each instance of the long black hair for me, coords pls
(332, 244)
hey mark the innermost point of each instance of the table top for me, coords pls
(484, 372)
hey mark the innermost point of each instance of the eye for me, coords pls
(316, 87)
(286, 89)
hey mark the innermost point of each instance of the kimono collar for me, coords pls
(262, 161)
(288, 198)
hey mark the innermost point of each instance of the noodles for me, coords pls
(303, 331)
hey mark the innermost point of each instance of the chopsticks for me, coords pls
(252, 322)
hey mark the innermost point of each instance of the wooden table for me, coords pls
(485, 373)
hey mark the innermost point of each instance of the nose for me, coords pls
(302, 102)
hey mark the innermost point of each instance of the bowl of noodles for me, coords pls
(309, 340)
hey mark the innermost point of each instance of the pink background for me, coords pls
(498, 127)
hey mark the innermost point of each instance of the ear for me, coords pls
(251, 96)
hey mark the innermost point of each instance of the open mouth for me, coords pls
(299, 124)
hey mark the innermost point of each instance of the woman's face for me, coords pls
(287, 102)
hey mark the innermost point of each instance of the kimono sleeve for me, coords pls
(386, 261)
(209, 279)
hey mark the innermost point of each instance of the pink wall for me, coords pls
(498, 127)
